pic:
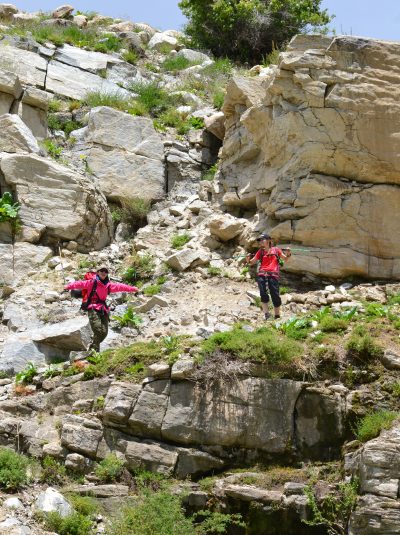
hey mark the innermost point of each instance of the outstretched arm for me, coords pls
(79, 285)
(115, 287)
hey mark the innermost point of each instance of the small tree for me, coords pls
(247, 30)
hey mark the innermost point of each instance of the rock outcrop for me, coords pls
(311, 144)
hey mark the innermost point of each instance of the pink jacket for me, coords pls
(102, 291)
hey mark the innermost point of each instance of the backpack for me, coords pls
(83, 294)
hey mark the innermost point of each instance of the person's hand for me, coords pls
(248, 258)
(288, 252)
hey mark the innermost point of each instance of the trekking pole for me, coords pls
(61, 263)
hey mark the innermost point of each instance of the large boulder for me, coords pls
(76, 83)
(68, 206)
(28, 66)
(126, 154)
(312, 145)
(21, 259)
(226, 227)
(16, 136)
(162, 42)
(52, 501)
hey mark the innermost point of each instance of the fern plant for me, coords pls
(129, 319)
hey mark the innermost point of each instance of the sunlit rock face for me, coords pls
(312, 146)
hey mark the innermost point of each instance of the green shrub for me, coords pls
(376, 310)
(84, 505)
(372, 424)
(152, 289)
(26, 376)
(70, 126)
(271, 58)
(132, 212)
(363, 347)
(175, 63)
(179, 240)
(214, 271)
(13, 470)
(263, 345)
(104, 98)
(130, 56)
(218, 98)
(53, 122)
(330, 324)
(129, 319)
(173, 119)
(394, 299)
(247, 30)
(54, 105)
(210, 173)
(152, 96)
(196, 122)
(53, 472)
(215, 522)
(296, 328)
(141, 267)
(73, 524)
(109, 469)
(52, 148)
(158, 513)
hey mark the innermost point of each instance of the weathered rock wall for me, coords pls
(312, 145)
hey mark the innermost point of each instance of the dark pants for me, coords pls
(273, 287)
(99, 324)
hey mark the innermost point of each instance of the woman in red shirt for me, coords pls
(268, 272)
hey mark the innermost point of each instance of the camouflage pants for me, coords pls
(99, 325)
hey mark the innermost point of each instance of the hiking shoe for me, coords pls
(277, 316)
(267, 315)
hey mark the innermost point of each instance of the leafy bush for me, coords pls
(363, 347)
(130, 56)
(152, 96)
(129, 318)
(246, 30)
(103, 98)
(54, 105)
(179, 240)
(13, 470)
(26, 376)
(141, 267)
(214, 271)
(218, 98)
(335, 508)
(330, 324)
(53, 472)
(215, 522)
(133, 212)
(73, 524)
(152, 289)
(394, 299)
(84, 505)
(9, 211)
(296, 328)
(158, 513)
(210, 173)
(372, 424)
(52, 149)
(53, 122)
(175, 63)
(109, 469)
(376, 310)
(263, 345)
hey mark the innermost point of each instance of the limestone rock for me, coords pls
(183, 260)
(193, 55)
(336, 176)
(391, 360)
(68, 205)
(216, 124)
(126, 154)
(226, 227)
(73, 335)
(62, 12)
(16, 136)
(10, 84)
(119, 402)
(375, 515)
(151, 456)
(162, 42)
(51, 500)
(7, 11)
(20, 260)
(28, 66)
(75, 83)
(81, 435)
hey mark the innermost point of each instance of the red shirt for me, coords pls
(269, 263)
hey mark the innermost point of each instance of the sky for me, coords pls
(379, 19)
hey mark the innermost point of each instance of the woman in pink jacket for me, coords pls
(98, 290)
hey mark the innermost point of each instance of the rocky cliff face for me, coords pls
(311, 146)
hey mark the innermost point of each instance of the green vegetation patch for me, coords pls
(263, 345)
(13, 470)
(373, 423)
(109, 469)
(180, 240)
